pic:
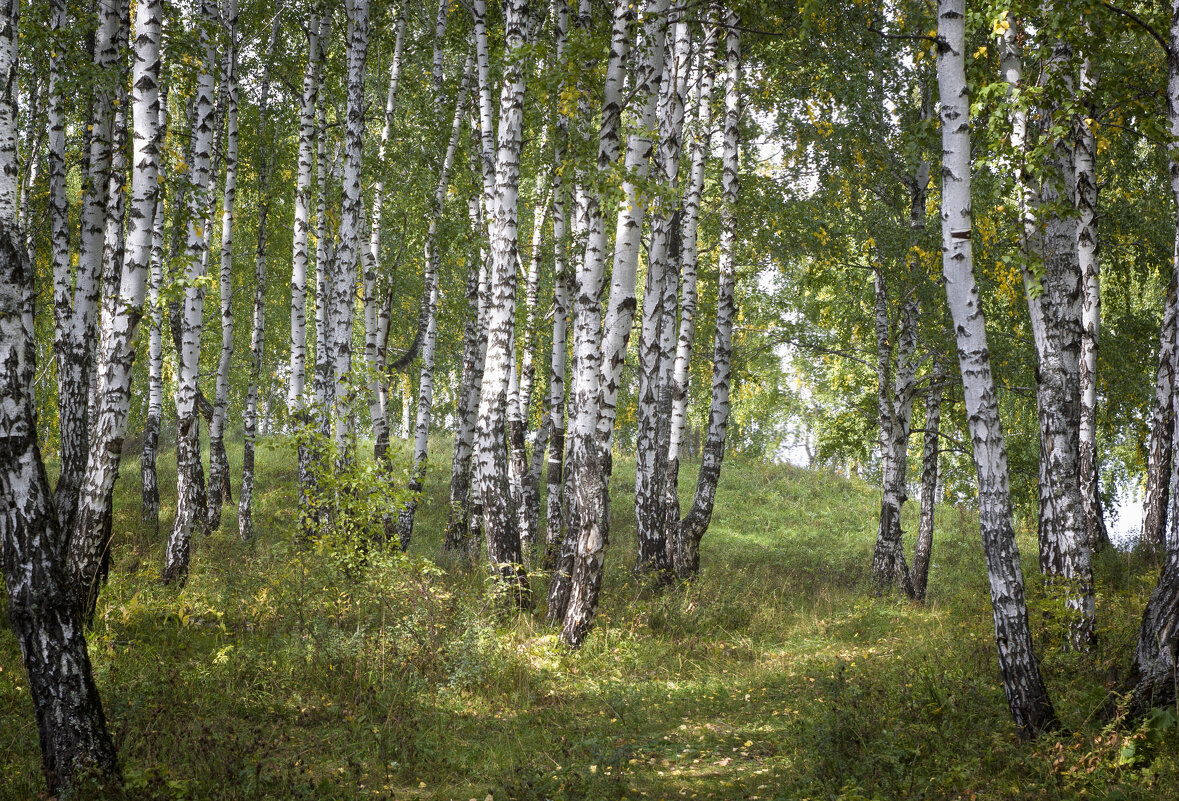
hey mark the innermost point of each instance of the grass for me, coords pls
(282, 672)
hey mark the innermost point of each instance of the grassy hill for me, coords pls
(284, 672)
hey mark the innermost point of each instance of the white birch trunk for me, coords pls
(77, 311)
(503, 540)
(343, 289)
(155, 355)
(649, 58)
(656, 335)
(218, 460)
(89, 541)
(1026, 696)
(577, 578)
(692, 528)
(189, 474)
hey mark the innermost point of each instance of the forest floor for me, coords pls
(286, 672)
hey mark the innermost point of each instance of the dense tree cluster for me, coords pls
(478, 206)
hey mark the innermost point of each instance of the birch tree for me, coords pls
(577, 578)
(218, 460)
(686, 556)
(41, 604)
(89, 540)
(499, 523)
(1027, 697)
(77, 296)
(189, 473)
(296, 396)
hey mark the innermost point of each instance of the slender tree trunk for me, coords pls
(1027, 697)
(499, 517)
(1156, 658)
(577, 580)
(656, 337)
(297, 395)
(77, 308)
(689, 257)
(458, 518)
(695, 524)
(155, 355)
(189, 473)
(929, 475)
(245, 504)
(343, 291)
(425, 403)
(41, 608)
(649, 55)
(1156, 500)
(1086, 182)
(219, 483)
(90, 540)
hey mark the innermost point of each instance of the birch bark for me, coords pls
(219, 484)
(692, 528)
(76, 309)
(1027, 697)
(425, 402)
(90, 539)
(189, 473)
(499, 523)
(41, 608)
(577, 578)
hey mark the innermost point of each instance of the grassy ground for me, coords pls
(278, 672)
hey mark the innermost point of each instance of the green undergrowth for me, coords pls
(284, 671)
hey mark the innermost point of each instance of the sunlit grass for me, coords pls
(276, 672)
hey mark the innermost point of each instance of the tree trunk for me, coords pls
(296, 397)
(219, 483)
(929, 458)
(1156, 501)
(491, 468)
(1086, 189)
(425, 403)
(245, 504)
(686, 557)
(76, 311)
(660, 297)
(377, 353)
(189, 473)
(686, 339)
(577, 577)
(1027, 697)
(458, 518)
(43, 615)
(343, 291)
(90, 543)
(648, 55)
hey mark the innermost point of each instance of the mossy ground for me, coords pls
(288, 672)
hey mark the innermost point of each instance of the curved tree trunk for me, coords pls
(929, 475)
(425, 403)
(1156, 497)
(1027, 697)
(686, 556)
